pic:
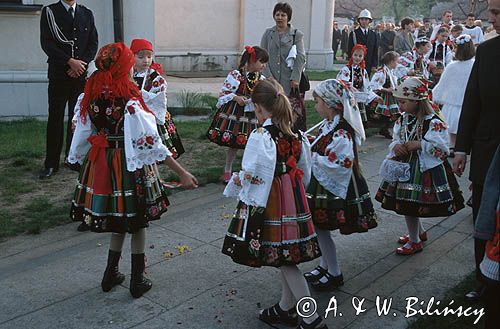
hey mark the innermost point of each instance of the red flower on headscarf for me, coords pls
(111, 80)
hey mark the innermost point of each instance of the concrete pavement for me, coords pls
(52, 280)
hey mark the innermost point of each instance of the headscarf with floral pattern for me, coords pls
(111, 80)
(337, 95)
(417, 89)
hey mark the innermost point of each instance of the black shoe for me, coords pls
(138, 283)
(72, 166)
(275, 315)
(83, 227)
(316, 324)
(47, 173)
(310, 277)
(112, 277)
(331, 283)
(452, 153)
(475, 295)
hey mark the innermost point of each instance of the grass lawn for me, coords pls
(30, 205)
(321, 75)
(456, 294)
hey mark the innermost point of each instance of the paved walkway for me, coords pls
(52, 280)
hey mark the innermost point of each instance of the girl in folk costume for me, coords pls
(384, 81)
(417, 178)
(415, 62)
(355, 74)
(450, 90)
(235, 118)
(441, 54)
(117, 144)
(338, 194)
(272, 225)
(148, 76)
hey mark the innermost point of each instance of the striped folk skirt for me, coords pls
(111, 199)
(170, 137)
(232, 126)
(389, 107)
(355, 214)
(433, 193)
(280, 234)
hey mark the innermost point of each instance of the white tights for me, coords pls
(137, 242)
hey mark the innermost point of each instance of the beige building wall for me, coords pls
(194, 25)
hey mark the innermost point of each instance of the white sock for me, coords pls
(328, 251)
(298, 285)
(421, 227)
(287, 301)
(230, 156)
(413, 224)
(116, 242)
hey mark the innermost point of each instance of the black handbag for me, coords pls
(304, 84)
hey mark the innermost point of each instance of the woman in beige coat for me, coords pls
(278, 40)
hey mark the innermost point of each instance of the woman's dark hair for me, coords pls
(465, 51)
(284, 7)
(260, 54)
(406, 21)
(389, 57)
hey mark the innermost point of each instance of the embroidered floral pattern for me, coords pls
(438, 126)
(145, 142)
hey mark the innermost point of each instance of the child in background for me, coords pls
(338, 194)
(355, 74)
(417, 178)
(441, 54)
(272, 225)
(148, 76)
(235, 118)
(415, 62)
(450, 90)
(383, 82)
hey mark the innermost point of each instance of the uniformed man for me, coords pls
(69, 38)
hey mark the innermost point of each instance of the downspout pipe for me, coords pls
(118, 20)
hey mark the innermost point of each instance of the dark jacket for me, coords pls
(371, 43)
(336, 38)
(81, 30)
(478, 131)
(344, 41)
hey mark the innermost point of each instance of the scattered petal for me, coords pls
(183, 249)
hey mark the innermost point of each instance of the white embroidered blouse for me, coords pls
(230, 87)
(142, 142)
(435, 142)
(156, 97)
(333, 170)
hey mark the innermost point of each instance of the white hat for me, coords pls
(365, 13)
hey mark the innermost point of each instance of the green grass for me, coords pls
(321, 75)
(22, 138)
(457, 294)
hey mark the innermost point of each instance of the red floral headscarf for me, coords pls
(358, 47)
(111, 80)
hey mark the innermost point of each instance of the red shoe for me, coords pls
(405, 238)
(414, 248)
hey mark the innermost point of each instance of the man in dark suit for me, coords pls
(69, 38)
(336, 38)
(478, 132)
(367, 37)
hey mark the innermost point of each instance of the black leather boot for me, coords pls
(112, 277)
(138, 283)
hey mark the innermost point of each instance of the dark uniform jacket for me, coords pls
(81, 30)
(371, 43)
(479, 125)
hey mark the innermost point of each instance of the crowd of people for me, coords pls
(295, 186)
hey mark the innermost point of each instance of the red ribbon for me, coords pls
(251, 51)
(98, 143)
(292, 163)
